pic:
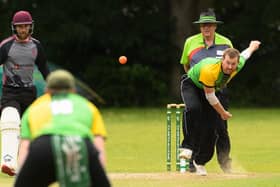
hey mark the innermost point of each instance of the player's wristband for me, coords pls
(211, 97)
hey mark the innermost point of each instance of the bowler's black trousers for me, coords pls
(200, 123)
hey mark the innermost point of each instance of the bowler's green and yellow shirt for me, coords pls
(62, 114)
(195, 49)
(208, 72)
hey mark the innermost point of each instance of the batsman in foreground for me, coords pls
(62, 139)
(205, 109)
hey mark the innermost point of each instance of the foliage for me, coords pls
(87, 38)
(128, 85)
(258, 84)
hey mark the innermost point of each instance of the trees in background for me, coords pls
(259, 83)
(88, 37)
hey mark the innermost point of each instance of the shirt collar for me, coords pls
(22, 41)
(202, 40)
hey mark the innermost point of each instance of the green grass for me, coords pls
(137, 143)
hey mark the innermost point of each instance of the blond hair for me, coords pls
(60, 80)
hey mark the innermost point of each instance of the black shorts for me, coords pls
(39, 169)
(20, 98)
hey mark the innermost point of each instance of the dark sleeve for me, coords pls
(2, 56)
(41, 61)
(4, 49)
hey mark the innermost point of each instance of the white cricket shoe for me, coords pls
(185, 153)
(200, 169)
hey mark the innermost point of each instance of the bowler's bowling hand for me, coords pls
(226, 115)
(254, 45)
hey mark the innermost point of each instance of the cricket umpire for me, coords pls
(208, 43)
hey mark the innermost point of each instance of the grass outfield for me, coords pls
(137, 142)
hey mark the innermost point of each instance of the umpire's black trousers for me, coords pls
(223, 140)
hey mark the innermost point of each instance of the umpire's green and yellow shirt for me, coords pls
(195, 49)
(208, 72)
(62, 114)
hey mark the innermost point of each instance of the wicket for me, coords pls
(178, 111)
